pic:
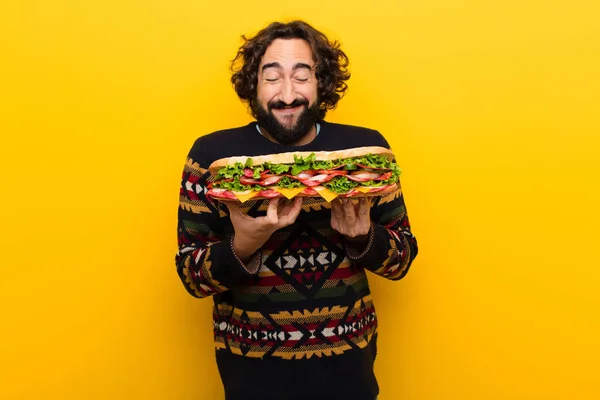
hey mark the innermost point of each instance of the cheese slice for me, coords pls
(326, 193)
(245, 196)
(290, 193)
(366, 189)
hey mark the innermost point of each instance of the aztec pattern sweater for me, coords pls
(303, 326)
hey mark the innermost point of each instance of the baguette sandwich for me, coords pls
(357, 172)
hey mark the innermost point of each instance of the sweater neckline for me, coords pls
(278, 147)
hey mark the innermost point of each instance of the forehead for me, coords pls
(287, 52)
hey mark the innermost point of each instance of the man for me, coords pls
(293, 314)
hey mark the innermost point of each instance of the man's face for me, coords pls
(287, 90)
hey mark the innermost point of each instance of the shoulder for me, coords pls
(355, 136)
(219, 144)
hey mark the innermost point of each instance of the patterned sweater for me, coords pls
(303, 326)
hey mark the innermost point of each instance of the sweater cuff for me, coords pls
(376, 252)
(351, 251)
(253, 265)
(231, 265)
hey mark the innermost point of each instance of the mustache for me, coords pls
(278, 105)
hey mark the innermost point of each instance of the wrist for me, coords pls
(358, 247)
(242, 250)
(358, 242)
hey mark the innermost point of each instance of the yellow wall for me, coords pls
(491, 106)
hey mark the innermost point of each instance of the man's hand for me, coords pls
(252, 233)
(352, 220)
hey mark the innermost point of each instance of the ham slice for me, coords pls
(266, 180)
(268, 194)
(332, 171)
(324, 176)
(303, 175)
(310, 192)
(248, 173)
(351, 192)
(362, 176)
(316, 180)
(248, 181)
(220, 193)
(271, 180)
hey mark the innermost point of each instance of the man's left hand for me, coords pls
(352, 220)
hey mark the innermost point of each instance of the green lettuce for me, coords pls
(277, 169)
(233, 185)
(309, 163)
(289, 183)
(229, 171)
(302, 164)
(340, 184)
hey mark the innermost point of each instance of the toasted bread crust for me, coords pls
(288, 158)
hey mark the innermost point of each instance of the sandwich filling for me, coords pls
(370, 173)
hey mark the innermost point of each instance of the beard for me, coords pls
(284, 134)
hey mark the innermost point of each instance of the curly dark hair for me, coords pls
(331, 63)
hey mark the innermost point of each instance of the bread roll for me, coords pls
(288, 158)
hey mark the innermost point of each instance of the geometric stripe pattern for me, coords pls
(295, 335)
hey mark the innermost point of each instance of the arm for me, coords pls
(377, 236)
(390, 246)
(206, 262)
(209, 261)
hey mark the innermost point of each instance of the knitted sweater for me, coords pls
(303, 326)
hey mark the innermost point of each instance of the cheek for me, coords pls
(309, 92)
(265, 94)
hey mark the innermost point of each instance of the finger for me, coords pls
(292, 213)
(234, 210)
(285, 206)
(232, 205)
(349, 211)
(272, 210)
(364, 217)
(364, 206)
(337, 208)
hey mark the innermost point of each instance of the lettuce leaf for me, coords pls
(289, 183)
(302, 164)
(277, 169)
(229, 171)
(340, 184)
(235, 185)
(370, 160)
(328, 164)
(308, 163)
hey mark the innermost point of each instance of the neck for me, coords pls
(306, 139)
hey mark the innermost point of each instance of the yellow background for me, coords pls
(492, 108)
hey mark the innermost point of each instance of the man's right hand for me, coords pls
(252, 233)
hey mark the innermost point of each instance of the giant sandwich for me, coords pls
(357, 172)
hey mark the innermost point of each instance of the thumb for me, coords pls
(232, 206)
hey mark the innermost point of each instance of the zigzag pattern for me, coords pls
(297, 334)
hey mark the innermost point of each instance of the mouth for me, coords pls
(288, 110)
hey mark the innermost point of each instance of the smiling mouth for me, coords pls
(288, 110)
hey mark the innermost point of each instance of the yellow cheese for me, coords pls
(289, 193)
(245, 196)
(326, 193)
(364, 189)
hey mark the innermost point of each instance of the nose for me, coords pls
(288, 94)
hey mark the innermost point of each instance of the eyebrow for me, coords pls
(294, 68)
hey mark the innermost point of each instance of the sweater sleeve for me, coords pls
(206, 262)
(391, 246)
